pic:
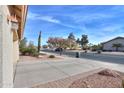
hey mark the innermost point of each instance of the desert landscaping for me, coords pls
(103, 79)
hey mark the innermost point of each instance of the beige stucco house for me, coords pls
(108, 45)
(12, 22)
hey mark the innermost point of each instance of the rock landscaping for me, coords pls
(104, 79)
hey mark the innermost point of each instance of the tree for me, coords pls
(23, 44)
(57, 42)
(53, 42)
(78, 41)
(71, 44)
(117, 45)
(90, 46)
(72, 41)
(31, 44)
(39, 42)
(84, 41)
(31, 49)
(71, 36)
(96, 47)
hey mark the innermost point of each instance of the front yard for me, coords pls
(42, 57)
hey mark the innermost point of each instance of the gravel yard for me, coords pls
(96, 80)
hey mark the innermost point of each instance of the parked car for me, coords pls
(58, 49)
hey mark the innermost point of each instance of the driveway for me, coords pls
(29, 74)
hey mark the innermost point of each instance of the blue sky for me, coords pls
(100, 23)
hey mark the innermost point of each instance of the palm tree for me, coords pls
(117, 45)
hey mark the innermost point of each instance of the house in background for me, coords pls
(116, 44)
(12, 22)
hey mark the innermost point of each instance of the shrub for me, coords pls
(30, 51)
(51, 56)
(35, 54)
(24, 51)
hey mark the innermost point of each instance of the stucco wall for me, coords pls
(15, 51)
(6, 49)
(0, 47)
(15, 55)
(108, 45)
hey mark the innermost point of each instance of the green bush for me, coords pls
(30, 51)
(24, 51)
(51, 56)
(35, 54)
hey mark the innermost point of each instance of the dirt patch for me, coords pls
(40, 58)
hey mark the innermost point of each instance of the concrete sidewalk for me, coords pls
(29, 74)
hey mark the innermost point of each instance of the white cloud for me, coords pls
(91, 17)
(31, 15)
(112, 28)
(87, 17)
(35, 16)
(103, 33)
(49, 19)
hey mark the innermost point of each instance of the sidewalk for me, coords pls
(66, 82)
(29, 74)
